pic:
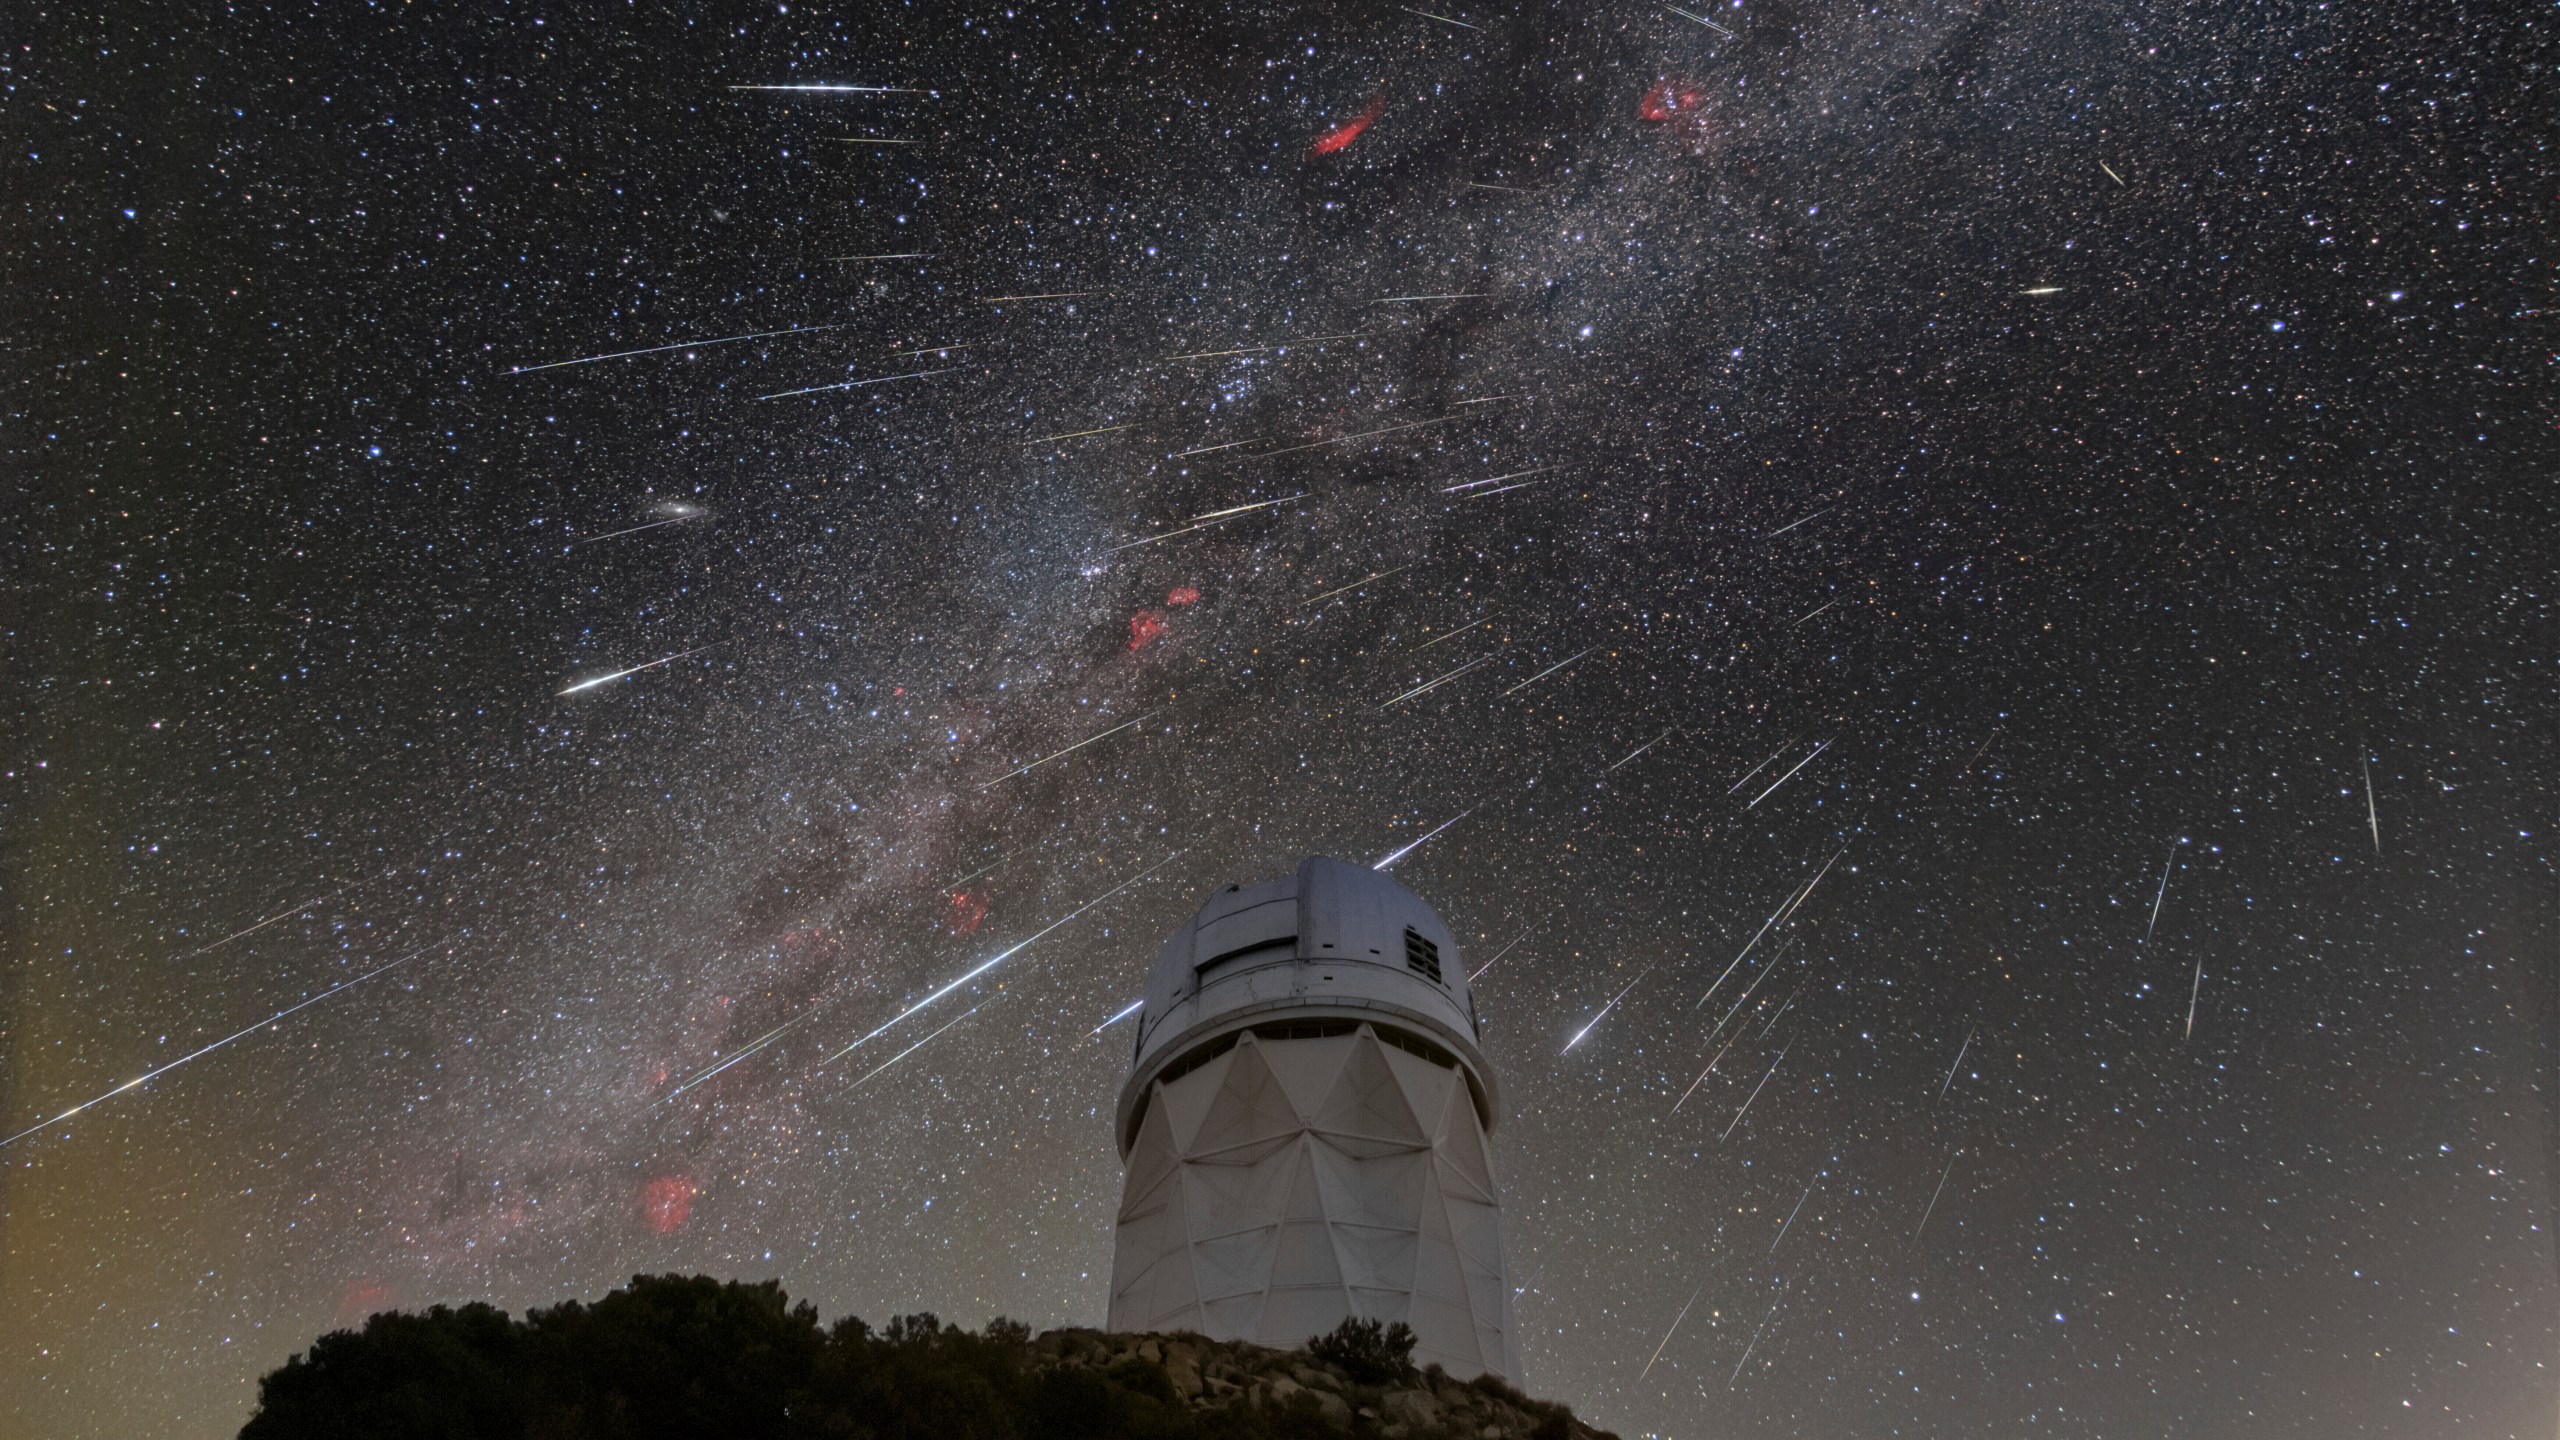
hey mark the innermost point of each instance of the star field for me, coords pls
(617, 669)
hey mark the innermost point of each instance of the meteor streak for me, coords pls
(1275, 345)
(910, 1050)
(636, 669)
(1952, 1069)
(1932, 1206)
(1461, 24)
(2372, 816)
(1080, 434)
(1399, 854)
(679, 345)
(1347, 439)
(1604, 1011)
(1402, 299)
(1674, 1330)
(1165, 535)
(1790, 775)
(633, 530)
(901, 255)
(1256, 505)
(1790, 525)
(1755, 1338)
(218, 1044)
(2193, 991)
(1756, 769)
(856, 384)
(1461, 630)
(1000, 957)
(1755, 1095)
(1356, 584)
(2156, 900)
(1550, 670)
(1702, 1078)
(1134, 1007)
(1791, 1215)
(284, 914)
(1701, 19)
(1429, 686)
(1649, 744)
(1045, 759)
(1049, 295)
(1498, 954)
(839, 89)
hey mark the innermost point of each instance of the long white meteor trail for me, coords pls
(1755, 1095)
(218, 1044)
(1134, 1007)
(1952, 1069)
(839, 89)
(1399, 854)
(1701, 19)
(856, 384)
(1498, 954)
(1932, 1206)
(2156, 900)
(679, 345)
(636, 529)
(1045, 759)
(1000, 957)
(634, 670)
(910, 1050)
(1428, 686)
(1491, 479)
(2372, 816)
(1649, 744)
(1604, 1011)
(1550, 670)
(1256, 505)
(1674, 1330)
(1757, 1336)
(1790, 775)
(1356, 584)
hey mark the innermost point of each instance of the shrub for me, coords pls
(1370, 1353)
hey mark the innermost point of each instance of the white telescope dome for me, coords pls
(1305, 1127)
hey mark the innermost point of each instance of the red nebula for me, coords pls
(363, 1296)
(967, 912)
(665, 1202)
(1146, 627)
(1349, 130)
(1671, 100)
(1183, 595)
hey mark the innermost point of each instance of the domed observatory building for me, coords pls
(1304, 1128)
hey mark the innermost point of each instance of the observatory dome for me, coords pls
(1305, 1127)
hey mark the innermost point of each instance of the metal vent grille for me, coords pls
(1421, 956)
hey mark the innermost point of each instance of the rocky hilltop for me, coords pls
(1338, 1395)
(674, 1357)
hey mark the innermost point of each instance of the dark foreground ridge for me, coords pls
(689, 1356)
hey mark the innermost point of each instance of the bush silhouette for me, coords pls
(672, 1356)
(1371, 1354)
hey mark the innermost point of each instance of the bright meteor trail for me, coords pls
(634, 670)
(1397, 855)
(1000, 957)
(679, 345)
(218, 1044)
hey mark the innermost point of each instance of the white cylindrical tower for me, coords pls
(1304, 1128)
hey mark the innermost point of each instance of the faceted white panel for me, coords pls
(1293, 1183)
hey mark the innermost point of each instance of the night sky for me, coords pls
(2069, 483)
